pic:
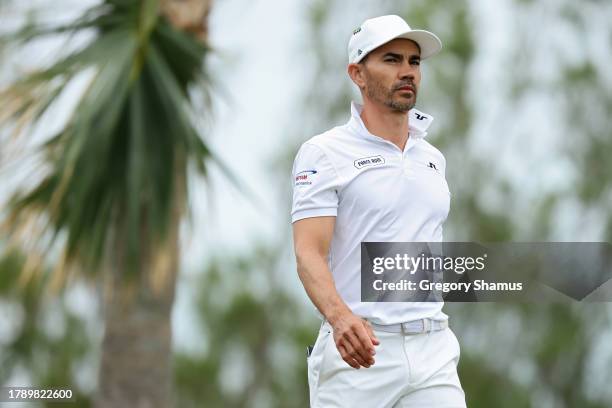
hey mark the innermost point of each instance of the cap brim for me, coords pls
(429, 42)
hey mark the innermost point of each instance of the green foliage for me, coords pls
(245, 311)
(525, 353)
(117, 163)
(50, 359)
(486, 387)
(243, 308)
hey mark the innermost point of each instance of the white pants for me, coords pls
(410, 370)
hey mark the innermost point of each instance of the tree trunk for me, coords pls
(136, 363)
(136, 369)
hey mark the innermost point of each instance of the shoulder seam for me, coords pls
(327, 158)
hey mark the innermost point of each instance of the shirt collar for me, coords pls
(418, 122)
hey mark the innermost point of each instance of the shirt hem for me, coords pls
(318, 212)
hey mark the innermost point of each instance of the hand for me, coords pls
(355, 340)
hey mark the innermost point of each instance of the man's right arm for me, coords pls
(353, 336)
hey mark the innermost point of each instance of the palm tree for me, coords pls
(113, 186)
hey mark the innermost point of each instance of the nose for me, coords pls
(406, 72)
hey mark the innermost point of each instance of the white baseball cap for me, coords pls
(380, 30)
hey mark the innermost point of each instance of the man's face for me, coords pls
(392, 74)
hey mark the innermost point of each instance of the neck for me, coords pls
(385, 122)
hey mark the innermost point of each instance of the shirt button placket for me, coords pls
(406, 166)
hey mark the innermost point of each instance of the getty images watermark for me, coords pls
(411, 265)
(472, 272)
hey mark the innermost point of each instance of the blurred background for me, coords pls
(145, 168)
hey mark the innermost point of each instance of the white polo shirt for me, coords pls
(377, 193)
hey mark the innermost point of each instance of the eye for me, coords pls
(415, 62)
(391, 59)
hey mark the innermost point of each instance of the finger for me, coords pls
(353, 352)
(347, 357)
(361, 354)
(366, 341)
(373, 337)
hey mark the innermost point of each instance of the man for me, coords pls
(375, 179)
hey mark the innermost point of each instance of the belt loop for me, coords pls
(426, 325)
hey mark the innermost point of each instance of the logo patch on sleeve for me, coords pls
(304, 178)
(369, 162)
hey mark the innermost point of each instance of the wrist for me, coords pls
(337, 313)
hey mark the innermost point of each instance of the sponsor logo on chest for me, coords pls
(369, 162)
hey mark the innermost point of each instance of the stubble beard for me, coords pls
(377, 92)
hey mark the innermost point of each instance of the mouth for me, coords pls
(407, 88)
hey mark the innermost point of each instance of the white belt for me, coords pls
(412, 327)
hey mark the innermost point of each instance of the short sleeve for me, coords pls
(315, 184)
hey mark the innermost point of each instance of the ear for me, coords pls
(356, 73)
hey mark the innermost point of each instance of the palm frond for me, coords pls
(116, 164)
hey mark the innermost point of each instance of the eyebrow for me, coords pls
(400, 56)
